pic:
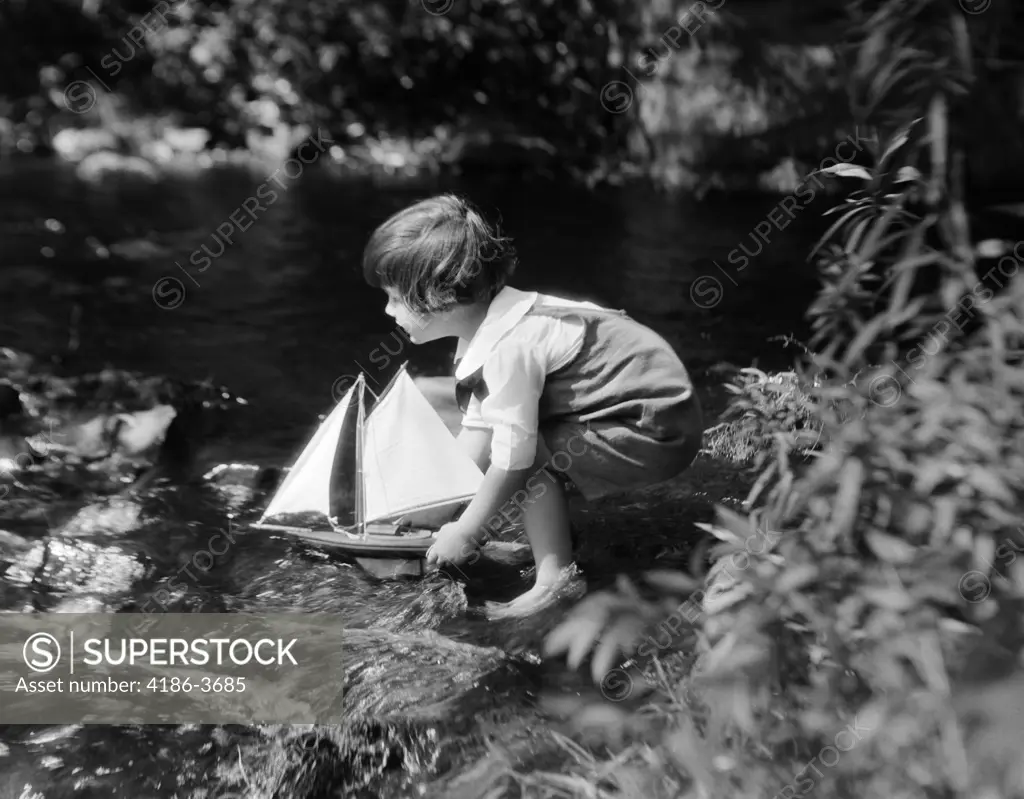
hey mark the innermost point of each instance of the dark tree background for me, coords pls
(721, 102)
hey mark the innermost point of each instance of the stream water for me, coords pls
(279, 318)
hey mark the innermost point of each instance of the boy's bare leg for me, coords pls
(546, 518)
(547, 527)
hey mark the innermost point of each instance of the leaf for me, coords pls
(846, 171)
(890, 598)
(672, 581)
(622, 637)
(732, 659)
(584, 623)
(585, 632)
(868, 334)
(889, 548)
(898, 141)
(907, 174)
(606, 719)
(988, 482)
(795, 578)
(984, 552)
(720, 653)
(931, 474)
(883, 223)
(851, 479)
(855, 235)
(910, 312)
(686, 749)
(731, 527)
(827, 236)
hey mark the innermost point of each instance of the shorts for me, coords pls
(605, 456)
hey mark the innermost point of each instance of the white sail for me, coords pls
(307, 487)
(412, 465)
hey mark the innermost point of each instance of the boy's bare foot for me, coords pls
(541, 596)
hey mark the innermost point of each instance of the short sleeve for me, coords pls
(514, 375)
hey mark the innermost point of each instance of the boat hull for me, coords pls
(412, 544)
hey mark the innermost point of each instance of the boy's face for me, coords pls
(420, 328)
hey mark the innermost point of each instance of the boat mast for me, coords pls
(360, 483)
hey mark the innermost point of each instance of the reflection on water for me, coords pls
(278, 318)
(284, 311)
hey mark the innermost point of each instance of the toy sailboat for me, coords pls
(376, 483)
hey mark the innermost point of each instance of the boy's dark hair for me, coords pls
(438, 253)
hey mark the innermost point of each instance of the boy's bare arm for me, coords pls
(495, 491)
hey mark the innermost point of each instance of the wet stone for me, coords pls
(69, 566)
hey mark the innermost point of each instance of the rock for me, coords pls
(53, 735)
(14, 362)
(187, 140)
(97, 166)
(141, 431)
(74, 144)
(88, 440)
(159, 152)
(76, 567)
(138, 249)
(12, 547)
(117, 515)
(81, 604)
(132, 434)
(15, 454)
(239, 484)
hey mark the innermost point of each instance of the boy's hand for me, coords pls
(455, 543)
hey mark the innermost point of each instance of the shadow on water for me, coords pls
(279, 317)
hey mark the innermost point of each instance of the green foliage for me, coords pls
(763, 408)
(860, 632)
(423, 83)
(353, 68)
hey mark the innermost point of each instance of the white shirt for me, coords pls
(517, 352)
